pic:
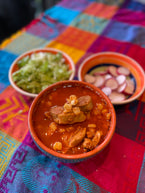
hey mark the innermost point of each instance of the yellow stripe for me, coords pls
(12, 108)
(8, 103)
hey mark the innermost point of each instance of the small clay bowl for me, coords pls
(116, 59)
(66, 157)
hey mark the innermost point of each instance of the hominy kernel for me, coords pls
(91, 133)
(73, 97)
(108, 116)
(104, 111)
(99, 106)
(57, 146)
(91, 125)
(53, 126)
(61, 130)
(73, 100)
(67, 107)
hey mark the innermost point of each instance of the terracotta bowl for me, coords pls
(111, 58)
(14, 67)
(66, 157)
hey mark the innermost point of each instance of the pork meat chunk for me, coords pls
(72, 113)
(77, 137)
(58, 115)
(70, 118)
(85, 103)
(55, 111)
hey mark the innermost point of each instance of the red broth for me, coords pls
(58, 97)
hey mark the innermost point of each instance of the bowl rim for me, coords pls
(76, 156)
(30, 52)
(123, 56)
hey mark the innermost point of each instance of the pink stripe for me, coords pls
(107, 44)
(138, 54)
(131, 17)
(117, 168)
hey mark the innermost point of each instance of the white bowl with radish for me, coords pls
(120, 77)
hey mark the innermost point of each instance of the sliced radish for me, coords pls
(111, 83)
(122, 87)
(123, 71)
(121, 79)
(116, 96)
(107, 90)
(129, 87)
(89, 78)
(113, 70)
(99, 81)
(107, 76)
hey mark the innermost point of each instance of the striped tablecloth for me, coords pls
(79, 28)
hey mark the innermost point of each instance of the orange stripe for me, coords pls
(101, 10)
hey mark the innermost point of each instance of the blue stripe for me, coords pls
(63, 15)
(6, 59)
(125, 32)
(136, 6)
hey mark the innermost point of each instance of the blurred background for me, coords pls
(15, 14)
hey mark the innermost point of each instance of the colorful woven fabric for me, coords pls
(80, 28)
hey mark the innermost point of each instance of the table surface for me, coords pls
(79, 28)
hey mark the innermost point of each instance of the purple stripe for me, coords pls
(131, 17)
(125, 32)
(12, 169)
(28, 141)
